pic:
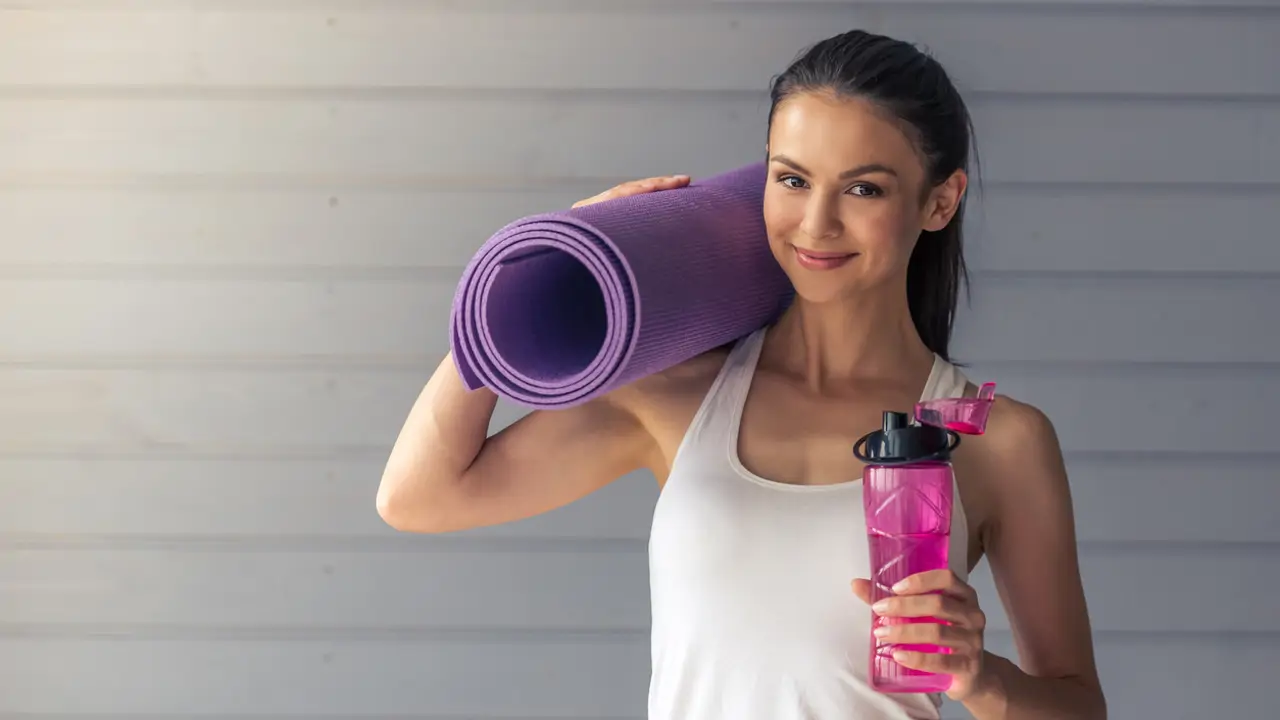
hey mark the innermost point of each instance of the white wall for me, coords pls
(229, 232)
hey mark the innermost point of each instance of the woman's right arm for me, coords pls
(446, 474)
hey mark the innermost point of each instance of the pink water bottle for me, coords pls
(907, 494)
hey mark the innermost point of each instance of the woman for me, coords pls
(756, 545)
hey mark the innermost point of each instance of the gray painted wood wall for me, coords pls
(229, 232)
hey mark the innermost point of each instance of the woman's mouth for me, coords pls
(817, 260)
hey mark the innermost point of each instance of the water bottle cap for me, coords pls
(898, 442)
(963, 415)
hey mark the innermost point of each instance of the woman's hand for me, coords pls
(636, 187)
(935, 594)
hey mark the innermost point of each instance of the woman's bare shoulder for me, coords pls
(1014, 467)
(1013, 423)
(1021, 455)
(678, 383)
(667, 401)
(1016, 425)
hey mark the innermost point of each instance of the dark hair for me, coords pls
(915, 89)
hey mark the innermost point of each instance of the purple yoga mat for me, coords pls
(559, 308)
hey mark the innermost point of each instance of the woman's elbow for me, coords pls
(404, 505)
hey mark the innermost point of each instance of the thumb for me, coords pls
(862, 589)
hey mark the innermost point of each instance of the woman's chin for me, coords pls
(826, 287)
(824, 293)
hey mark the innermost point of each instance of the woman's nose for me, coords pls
(821, 221)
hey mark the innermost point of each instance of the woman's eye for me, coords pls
(861, 189)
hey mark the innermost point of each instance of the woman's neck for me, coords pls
(870, 336)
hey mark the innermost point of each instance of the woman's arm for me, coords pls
(446, 473)
(1031, 547)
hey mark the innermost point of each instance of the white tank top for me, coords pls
(753, 615)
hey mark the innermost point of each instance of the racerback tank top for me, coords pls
(752, 614)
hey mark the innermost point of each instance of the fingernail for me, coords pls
(881, 632)
(881, 606)
(899, 655)
(900, 586)
(679, 177)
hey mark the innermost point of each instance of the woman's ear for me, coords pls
(944, 201)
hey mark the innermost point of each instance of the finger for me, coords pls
(862, 590)
(636, 187)
(616, 191)
(592, 200)
(950, 636)
(953, 664)
(663, 182)
(935, 581)
(942, 607)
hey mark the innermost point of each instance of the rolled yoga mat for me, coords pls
(559, 308)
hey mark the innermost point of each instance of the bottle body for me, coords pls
(908, 511)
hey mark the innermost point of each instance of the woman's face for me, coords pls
(845, 199)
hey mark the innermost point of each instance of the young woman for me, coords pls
(757, 558)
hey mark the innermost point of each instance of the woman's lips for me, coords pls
(819, 260)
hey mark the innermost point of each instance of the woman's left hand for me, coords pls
(936, 594)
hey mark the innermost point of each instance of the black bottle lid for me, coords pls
(898, 442)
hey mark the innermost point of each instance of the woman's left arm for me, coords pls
(1030, 545)
(1032, 552)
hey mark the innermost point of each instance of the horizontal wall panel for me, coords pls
(1152, 498)
(1189, 580)
(739, 47)
(1064, 140)
(1106, 229)
(1140, 499)
(152, 316)
(1194, 677)
(370, 590)
(164, 411)
(1149, 319)
(265, 228)
(218, 497)
(162, 316)
(1102, 228)
(596, 590)
(511, 680)
(1015, 5)
(1157, 410)
(488, 136)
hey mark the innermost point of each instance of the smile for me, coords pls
(815, 260)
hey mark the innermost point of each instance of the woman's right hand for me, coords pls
(636, 187)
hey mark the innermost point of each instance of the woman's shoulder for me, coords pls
(1013, 423)
(681, 382)
(1016, 425)
(1020, 455)
(666, 402)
